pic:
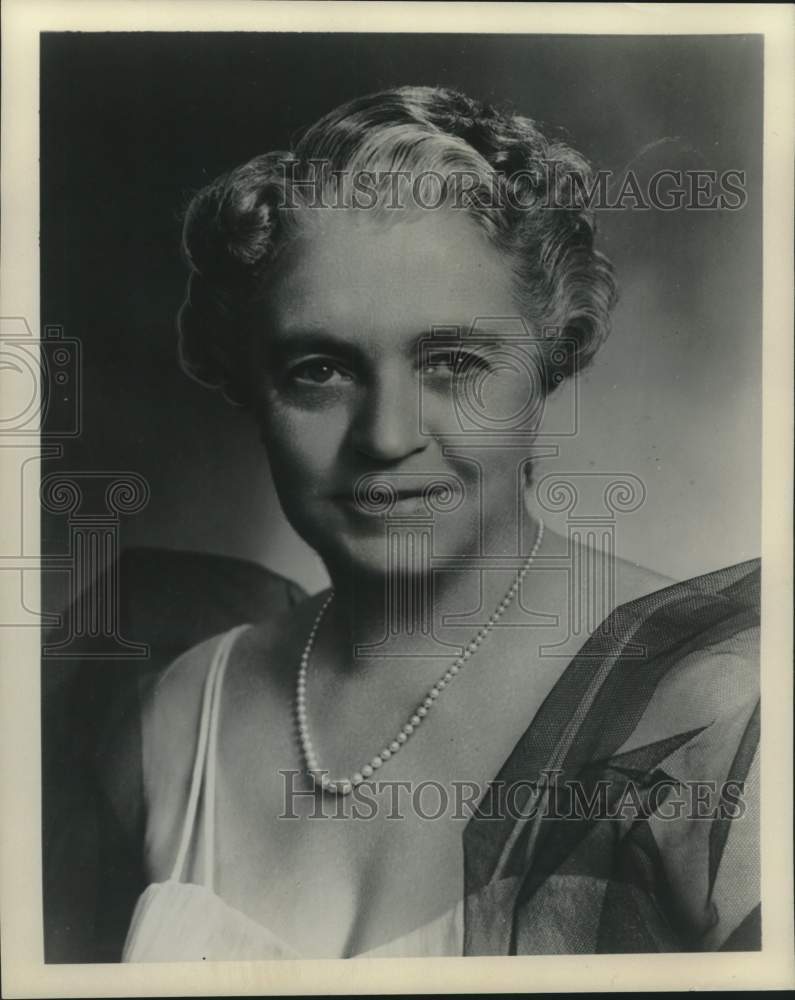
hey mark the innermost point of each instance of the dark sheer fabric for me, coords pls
(578, 847)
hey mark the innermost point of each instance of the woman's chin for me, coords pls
(371, 545)
(362, 558)
(372, 558)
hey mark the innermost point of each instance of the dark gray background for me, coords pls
(133, 123)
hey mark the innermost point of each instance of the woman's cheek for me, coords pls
(303, 440)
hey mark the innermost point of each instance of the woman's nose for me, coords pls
(387, 424)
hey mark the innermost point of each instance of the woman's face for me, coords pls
(353, 385)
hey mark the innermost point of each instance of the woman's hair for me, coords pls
(527, 191)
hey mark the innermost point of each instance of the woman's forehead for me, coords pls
(348, 268)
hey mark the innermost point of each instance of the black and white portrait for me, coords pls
(400, 493)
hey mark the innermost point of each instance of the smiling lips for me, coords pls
(393, 498)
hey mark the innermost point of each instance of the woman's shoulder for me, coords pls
(717, 609)
(172, 706)
(170, 719)
(172, 711)
(178, 691)
(672, 657)
(694, 645)
(601, 576)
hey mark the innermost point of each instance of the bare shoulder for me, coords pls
(622, 579)
(170, 715)
(172, 710)
(171, 718)
(267, 653)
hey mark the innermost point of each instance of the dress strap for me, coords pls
(204, 761)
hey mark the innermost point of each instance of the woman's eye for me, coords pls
(439, 362)
(455, 363)
(318, 373)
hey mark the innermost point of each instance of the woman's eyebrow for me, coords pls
(302, 340)
(299, 339)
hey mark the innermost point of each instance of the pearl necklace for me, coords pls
(344, 786)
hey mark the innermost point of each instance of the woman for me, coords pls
(380, 298)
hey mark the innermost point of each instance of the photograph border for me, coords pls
(21, 933)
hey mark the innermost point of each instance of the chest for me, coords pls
(342, 874)
(338, 875)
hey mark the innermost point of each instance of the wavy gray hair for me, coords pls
(525, 189)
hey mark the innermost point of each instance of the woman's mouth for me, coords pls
(382, 500)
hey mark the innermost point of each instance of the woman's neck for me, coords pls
(410, 613)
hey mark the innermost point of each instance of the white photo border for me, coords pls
(24, 973)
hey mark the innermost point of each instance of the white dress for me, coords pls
(176, 921)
